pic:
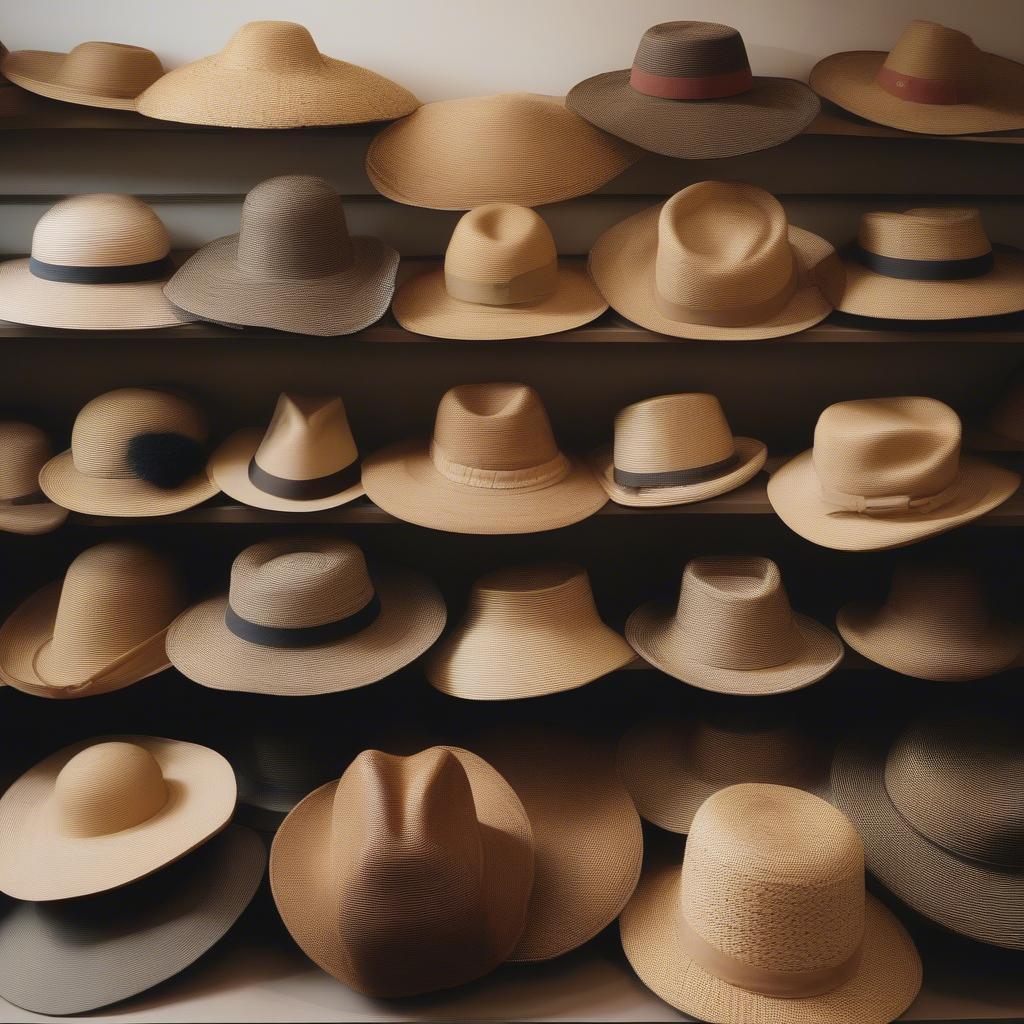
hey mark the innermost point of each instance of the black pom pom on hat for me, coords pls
(165, 460)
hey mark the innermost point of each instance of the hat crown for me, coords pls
(930, 233)
(271, 47)
(498, 242)
(533, 596)
(931, 51)
(308, 437)
(945, 601)
(24, 448)
(691, 49)
(109, 69)
(715, 753)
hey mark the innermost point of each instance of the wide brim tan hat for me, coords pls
(38, 71)
(32, 520)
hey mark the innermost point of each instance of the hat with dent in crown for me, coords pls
(24, 450)
(105, 812)
(271, 75)
(408, 874)
(767, 918)
(885, 472)
(293, 266)
(501, 279)
(719, 261)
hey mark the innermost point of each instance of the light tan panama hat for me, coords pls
(24, 450)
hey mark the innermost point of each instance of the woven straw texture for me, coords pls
(24, 449)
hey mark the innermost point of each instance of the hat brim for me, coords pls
(36, 71)
(32, 520)
(794, 493)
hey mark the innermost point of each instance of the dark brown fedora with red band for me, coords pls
(691, 94)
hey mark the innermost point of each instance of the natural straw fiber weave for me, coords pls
(24, 449)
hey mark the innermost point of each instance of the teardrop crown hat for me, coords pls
(717, 261)
(24, 450)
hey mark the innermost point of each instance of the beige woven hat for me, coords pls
(733, 631)
(514, 147)
(768, 920)
(501, 279)
(304, 616)
(102, 813)
(674, 450)
(98, 263)
(99, 629)
(718, 261)
(408, 874)
(1003, 429)
(934, 81)
(885, 472)
(134, 452)
(491, 467)
(271, 75)
(24, 449)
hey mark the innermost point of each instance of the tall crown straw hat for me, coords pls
(1003, 428)
(718, 261)
(934, 81)
(24, 449)
(502, 278)
(271, 75)
(767, 918)
(883, 473)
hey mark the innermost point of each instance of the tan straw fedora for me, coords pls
(767, 919)
(303, 616)
(98, 263)
(1003, 428)
(105, 812)
(408, 874)
(675, 450)
(292, 267)
(501, 279)
(718, 261)
(24, 449)
(99, 629)
(514, 147)
(733, 631)
(885, 472)
(492, 467)
(271, 75)
(934, 81)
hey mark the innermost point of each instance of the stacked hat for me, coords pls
(24, 450)
(1003, 428)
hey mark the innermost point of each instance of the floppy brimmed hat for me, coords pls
(24, 450)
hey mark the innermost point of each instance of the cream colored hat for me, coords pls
(305, 461)
(528, 631)
(102, 813)
(99, 629)
(271, 75)
(718, 261)
(510, 148)
(492, 467)
(1003, 429)
(98, 263)
(408, 874)
(304, 616)
(733, 631)
(885, 472)
(501, 279)
(674, 450)
(134, 452)
(768, 919)
(24, 449)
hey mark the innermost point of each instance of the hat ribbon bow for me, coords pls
(888, 504)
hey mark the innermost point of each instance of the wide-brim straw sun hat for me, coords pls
(24, 509)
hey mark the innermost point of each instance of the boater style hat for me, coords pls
(674, 450)
(1003, 429)
(304, 616)
(408, 874)
(885, 472)
(733, 631)
(491, 467)
(24, 449)
(934, 81)
(501, 279)
(98, 263)
(768, 919)
(718, 261)
(514, 147)
(691, 94)
(271, 75)
(292, 267)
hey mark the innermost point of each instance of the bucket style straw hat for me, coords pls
(305, 616)
(690, 93)
(105, 812)
(768, 919)
(733, 631)
(408, 874)
(292, 267)
(271, 75)
(24, 449)
(885, 472)
(718, 261)
(501, 279)
(528, 631)
(675, 450)
(99, 629)
(938, 806)
(98, 263)
(1003, 429)
(934, 81)
(491, 467)
(516, 147)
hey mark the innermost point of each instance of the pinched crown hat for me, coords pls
(24, 449)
